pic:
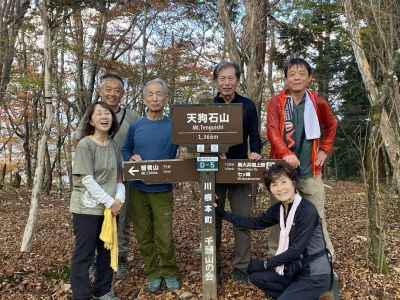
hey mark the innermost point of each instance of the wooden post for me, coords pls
(208, 239)
(207, 166)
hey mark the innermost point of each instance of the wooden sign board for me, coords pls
(160, 171)
(242, 170)
(214, 124)
(178, 170)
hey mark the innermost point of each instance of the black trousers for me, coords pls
(87, 230)
(239, 199)
(286, 288)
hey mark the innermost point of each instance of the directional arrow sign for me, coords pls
(159, 171)
(178, 170)
(132, 171)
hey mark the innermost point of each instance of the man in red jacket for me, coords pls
(301, 129)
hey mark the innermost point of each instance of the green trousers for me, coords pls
(151, 214)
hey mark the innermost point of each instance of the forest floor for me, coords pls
(44, 272)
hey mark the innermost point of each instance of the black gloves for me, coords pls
(256, 265)
(293, 268)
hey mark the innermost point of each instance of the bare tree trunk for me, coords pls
(172, 83)
(256, 36)
(382, 134)
(48, 178)
(68, 149)
(376, 233)
(33, 211)
(253, 41)
(229, 35)
(81, 92)
(59, 148)
(145, 40)
(389, 135)
(61, 96)
(27, 148)
(270, 82)
(12, 14)
(3, 174)
(95, 53)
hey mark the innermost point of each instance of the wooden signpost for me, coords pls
(211, 129)
(179, 170)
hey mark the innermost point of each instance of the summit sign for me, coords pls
(215, 124)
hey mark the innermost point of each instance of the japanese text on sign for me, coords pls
(213, 118)
(209, 258)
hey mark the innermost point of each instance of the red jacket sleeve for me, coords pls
(328, 124)
(279, 148)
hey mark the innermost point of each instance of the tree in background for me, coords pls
(374, 28)
(48, 97)
(249, 48)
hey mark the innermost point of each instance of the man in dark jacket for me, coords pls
(227, 76)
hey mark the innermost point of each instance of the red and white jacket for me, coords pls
(275, 128)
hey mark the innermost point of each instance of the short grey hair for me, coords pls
(112, 76)
(158, 81)
(226, 64)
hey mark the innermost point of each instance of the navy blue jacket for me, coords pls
(250, 128)
(305, 237)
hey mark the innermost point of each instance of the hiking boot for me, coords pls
(172, 283)
(109, 296)
(154, 285)
(240, 276)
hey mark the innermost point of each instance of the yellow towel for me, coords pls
(109, 236)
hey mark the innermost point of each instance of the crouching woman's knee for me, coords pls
(261, 280)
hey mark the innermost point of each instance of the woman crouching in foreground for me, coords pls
(301, 267)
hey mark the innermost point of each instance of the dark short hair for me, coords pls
(112, 76)
(88, 129)
(277, 170)
(297, 61)
(226, 64)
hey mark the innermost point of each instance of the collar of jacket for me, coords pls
(313, 96)
(219, 99)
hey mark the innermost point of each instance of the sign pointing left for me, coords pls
(132, 171)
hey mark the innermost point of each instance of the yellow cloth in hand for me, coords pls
(109, 236)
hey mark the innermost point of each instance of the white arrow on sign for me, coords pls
(132, 171)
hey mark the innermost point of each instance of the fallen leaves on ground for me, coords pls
(44, 272)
